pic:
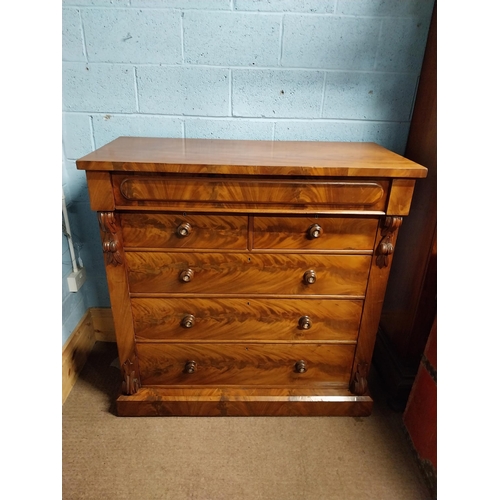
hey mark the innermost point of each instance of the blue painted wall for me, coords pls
(329, 70)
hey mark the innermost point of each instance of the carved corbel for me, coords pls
(130, 378)
(386, 246)
(110, 242)
(359, 384)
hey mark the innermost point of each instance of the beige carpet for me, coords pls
(303, 458)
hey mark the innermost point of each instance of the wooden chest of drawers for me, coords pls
(247, 277)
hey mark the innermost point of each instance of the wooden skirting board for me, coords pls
(96, 325)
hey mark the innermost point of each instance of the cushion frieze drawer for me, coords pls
(153, 190)
(314, 233)
(240, 273)
(246, 319)
(249, 364)
(157, 230)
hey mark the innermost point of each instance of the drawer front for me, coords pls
(248, 364)
(246, 319)
(314, 233)
(150, 230)
(140, 190)
(230, 273)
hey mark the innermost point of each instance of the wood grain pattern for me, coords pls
(100, 191)
(400, 197)
(372, 310)
(131, 190)
(242, 274)
(247, 364)
(246, 319)
(338, 233)
(155, 230)
(235, 157)
(75, 353)
(117, 278)
(156, 272)
(246, 401)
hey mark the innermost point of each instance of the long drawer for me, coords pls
(230, 273)
(248, 364)
(156, 230)
(235, 319)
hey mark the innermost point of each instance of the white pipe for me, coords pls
(68, 230)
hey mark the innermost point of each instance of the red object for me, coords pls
(420, 416)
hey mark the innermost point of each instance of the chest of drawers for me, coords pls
(247, 277)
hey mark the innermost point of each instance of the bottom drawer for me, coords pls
(248, 364)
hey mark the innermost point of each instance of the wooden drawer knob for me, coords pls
(301, 366)
(305, 323)
(309, 277)
(188, 321)
(186, 276)
(314, 231)
(190, 367)
(184, 229)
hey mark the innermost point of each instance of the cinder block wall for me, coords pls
(329, 70)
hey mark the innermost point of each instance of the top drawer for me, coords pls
(314, 233)
(237, 193)
(153, 230)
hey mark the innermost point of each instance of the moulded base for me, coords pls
(243, 401)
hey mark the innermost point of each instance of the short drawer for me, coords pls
(248, 364)
(314, 233)
(153, 230)
(228, 192)
(240, 273)
(245, 319)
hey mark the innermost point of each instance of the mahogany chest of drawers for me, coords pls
(247, 277)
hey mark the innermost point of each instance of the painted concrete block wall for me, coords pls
(325, 70)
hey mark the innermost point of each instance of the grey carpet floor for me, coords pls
(256, 458)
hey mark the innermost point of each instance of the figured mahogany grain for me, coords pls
(338, 233)
(245, 335)
(157, 272)
(159, 230)
(235, 157)
(247, 364)
(244, 401)
(131, 190)
(245, 319)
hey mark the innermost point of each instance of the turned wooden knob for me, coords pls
(315, 231)
(301, 366)
(309, 277)
(184, 229)
(188, 321)
(186, 276)
(305, 323)
(190, 367)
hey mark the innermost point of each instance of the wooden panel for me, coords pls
(131, 190)
(247, 401)
(400, 197)
(374, 300)
(158, 272)
(154, 230)
(249, 364)
(337, 233)
(104, 327)
(100, 191)
(116, 274)
(234, 157)
(75, 353)
(246, 319)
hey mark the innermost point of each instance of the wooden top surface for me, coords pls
(217, 156)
